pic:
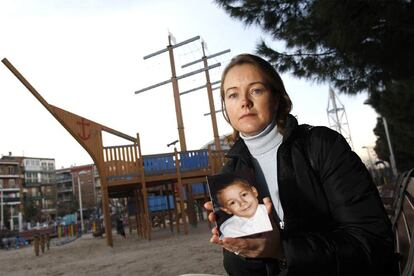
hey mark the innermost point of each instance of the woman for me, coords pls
(330, 219)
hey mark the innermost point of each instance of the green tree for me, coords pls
(355, 45)
(68, 207)
(396, 107)
(31, 212)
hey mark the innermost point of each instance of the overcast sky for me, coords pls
(86, 56)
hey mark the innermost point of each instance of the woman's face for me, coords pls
(248, 102)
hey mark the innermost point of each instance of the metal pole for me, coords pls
(332, 94)
(94, 185)
(11, 218)
(2, 214)
(369, 156)
(392, 159)
(372, 169)
(80, 204)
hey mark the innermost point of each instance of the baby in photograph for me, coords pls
(238, 198)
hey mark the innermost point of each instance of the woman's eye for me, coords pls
(244, 194)
(232, 95)
(256, 91)
(231, 203)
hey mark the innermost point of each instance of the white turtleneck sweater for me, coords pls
(263, 147)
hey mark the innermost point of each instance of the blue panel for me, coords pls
(198, 188)
(194, 160)
(159, 164)
(190, 160)
(159, 203)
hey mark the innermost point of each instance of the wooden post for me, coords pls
(141, 213)
(129, 215)
(105, 206)
(177, 219)
(167, 192)
(42, 243)
(144, 190)
(210, 159)
(137, 214)
(142, 216)
(36, 244)
(190, 205)
(177, 102)
(211, 101)
(47, 241)
(180, 191)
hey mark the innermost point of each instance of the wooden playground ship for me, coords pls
(175, 182)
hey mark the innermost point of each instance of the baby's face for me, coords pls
(239, 200)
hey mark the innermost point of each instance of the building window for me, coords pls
(11, 170)
(12, 182)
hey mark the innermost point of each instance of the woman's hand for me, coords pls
(263, 245)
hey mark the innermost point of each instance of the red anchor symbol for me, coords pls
(84, 123)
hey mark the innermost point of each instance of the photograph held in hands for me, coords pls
(237, 207)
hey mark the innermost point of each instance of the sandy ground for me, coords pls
(165, 254)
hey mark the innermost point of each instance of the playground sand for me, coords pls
(165, 254)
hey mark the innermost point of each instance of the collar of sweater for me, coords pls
(268, 139)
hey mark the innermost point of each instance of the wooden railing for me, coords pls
(121, 160)
(124, 161)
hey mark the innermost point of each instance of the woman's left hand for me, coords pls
(264, 245)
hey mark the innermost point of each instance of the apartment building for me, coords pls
(40, 185)
(65, 196)
(11, 189)
(86, 177)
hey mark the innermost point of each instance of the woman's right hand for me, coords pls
(212, 218)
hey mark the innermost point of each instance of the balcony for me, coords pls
(48, 180)
(65, 199)
(49, 210)
(35, 198)
(16, 176)
(32, 183)
(11, 200)
(49, 197)
(64, 190)
(63, 179)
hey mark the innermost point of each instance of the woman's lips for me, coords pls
(247, 115)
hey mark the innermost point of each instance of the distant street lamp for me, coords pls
(369, 156)
(80, 203)
(387, 134)
(371, 164)
(392, 158)
(2, 214)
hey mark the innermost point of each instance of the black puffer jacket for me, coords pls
(334, 221)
